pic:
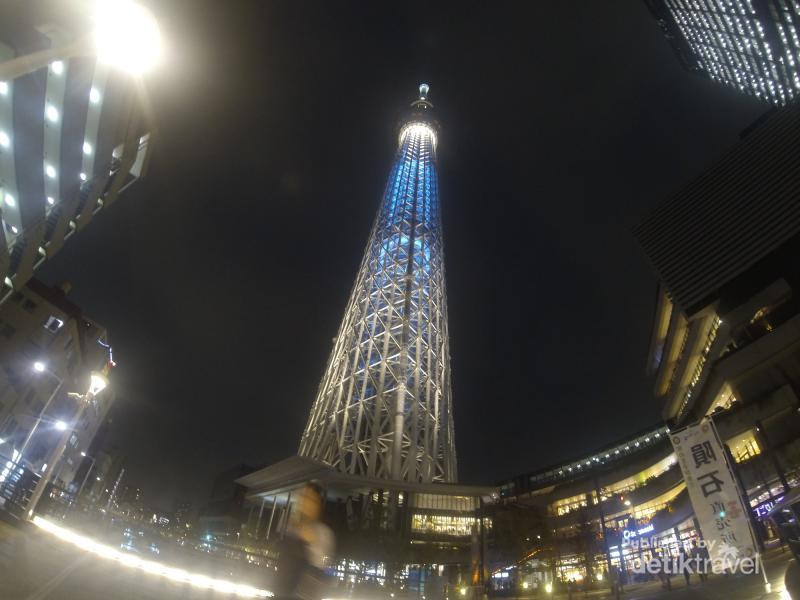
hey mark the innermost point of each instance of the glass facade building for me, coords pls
(383, 407)
(751, 45)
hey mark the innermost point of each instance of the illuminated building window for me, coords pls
(648, 509)
(53, 324)
(724, 400)
(744, 446)
(568, 505)
(442, 502)
(643, 477)
(447, 525)
(711, 336)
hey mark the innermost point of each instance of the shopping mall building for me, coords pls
(725, 346)
(611, 507)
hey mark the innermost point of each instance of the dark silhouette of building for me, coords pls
(225, 515)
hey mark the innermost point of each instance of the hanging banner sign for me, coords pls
(715, 496)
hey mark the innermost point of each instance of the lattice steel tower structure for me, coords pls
(383, 408)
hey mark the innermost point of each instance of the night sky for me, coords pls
(223, 276)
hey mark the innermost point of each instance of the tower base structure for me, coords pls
(394, 538)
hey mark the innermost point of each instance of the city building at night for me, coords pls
(581, 517)
(184, 514)
(725, 345)
(724, 248)
(725, 341)
(40, 327)
(129, 500)
(584, 511)
(380, 432)
(749, 45)
(72, 138)
(225, 514)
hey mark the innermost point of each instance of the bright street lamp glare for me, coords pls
(83, 454)
(97, 384)
(61, 426)
(127, 35)
(38, 366)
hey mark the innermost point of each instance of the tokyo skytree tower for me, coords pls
(384, 406)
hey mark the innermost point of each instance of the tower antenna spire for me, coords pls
(423, 91)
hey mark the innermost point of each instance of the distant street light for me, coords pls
(125, 36)
(61, 425)
(39, 366)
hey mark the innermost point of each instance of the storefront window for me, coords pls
(744, 446)
(443, 525)
(567, 505)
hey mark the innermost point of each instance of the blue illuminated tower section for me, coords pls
(384, 407)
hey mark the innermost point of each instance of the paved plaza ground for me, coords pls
(35, 565)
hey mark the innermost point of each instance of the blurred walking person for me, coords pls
(684, 565)
(701, 558)
(303, 550)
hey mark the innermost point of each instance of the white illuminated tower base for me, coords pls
(384, 409)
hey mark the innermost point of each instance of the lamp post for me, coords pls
(40, 367)
(125, 35)
(98, 383)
